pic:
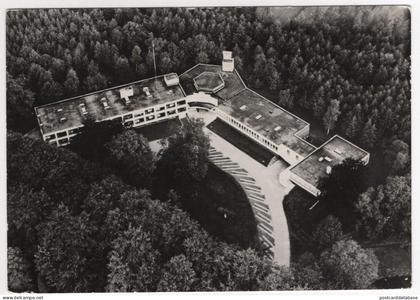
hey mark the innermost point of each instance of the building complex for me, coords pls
(217, 88)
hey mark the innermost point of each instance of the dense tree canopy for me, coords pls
(18, 271)
(348, 265)
(341, 188)
(327, 232)
(183, 162)
(385, 211)
(75, 225)
(130, 153)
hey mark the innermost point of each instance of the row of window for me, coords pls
(152, 110)
(124, 119)
(254, 134)
(62, 134)
(139, 121)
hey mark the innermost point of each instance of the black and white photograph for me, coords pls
(208, 149)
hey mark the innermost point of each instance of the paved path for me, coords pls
(254, 194)
(261, 184)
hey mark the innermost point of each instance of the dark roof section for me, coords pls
(268, 119)
(336, 149)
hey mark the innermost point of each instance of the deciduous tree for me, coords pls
(131, 155)
(349, 266)
(385, 211)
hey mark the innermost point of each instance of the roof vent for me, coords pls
(328, 170)
(171, 79)
(321, 159)
(258, 117)
(277, 128)
(83, 110)
(105, 103)
(126, 93)
(63, 119)
(338, 151)
(59, 110)
(243, 107)
(328, 159)
(147, 92)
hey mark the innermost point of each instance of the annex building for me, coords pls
(216, 88)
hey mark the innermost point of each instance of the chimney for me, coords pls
(228, 62)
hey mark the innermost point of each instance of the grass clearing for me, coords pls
(220, 194)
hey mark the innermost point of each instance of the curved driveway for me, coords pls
(265, 178)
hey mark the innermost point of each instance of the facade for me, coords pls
(136, 104)
(215, 88)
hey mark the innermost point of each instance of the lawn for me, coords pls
(159, 130)
(241, 141)
(220, 194)
(394, 265)
(394, 260)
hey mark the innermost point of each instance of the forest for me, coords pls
(70, 211)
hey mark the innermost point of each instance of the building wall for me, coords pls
(137, 118)
(303, 184)
(284, 152)
(202, 98)
(289, 155)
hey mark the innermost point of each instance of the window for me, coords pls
(74, 131)
(150, 110)
(128, 124)
(138, 115)
(161, 108)
(63, 141)
(182, 109)
(171, 112)
(150, 118)
(62, 134)
(161, 115)
(169, 105)
(129, 116)
(138, 121)
(49, 137)
(181, 102)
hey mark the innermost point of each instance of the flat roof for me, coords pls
(49, 115)
(233, 82)
(337, 149)
(209, 81)
(268, 119)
